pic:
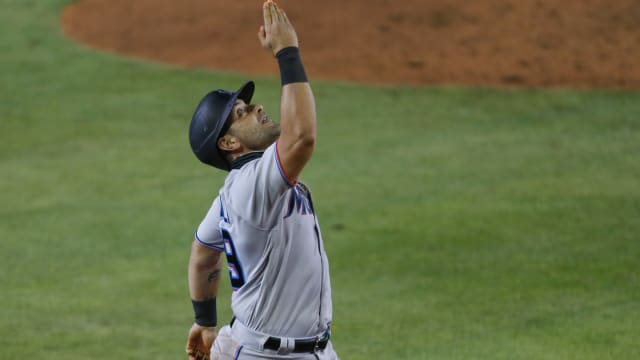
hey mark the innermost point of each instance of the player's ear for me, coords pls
(229, 143)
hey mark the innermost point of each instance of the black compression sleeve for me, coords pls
(291, 68)
(206, 312)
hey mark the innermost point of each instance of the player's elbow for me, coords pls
(202, 257)
(307, 141)
(303, 138)
(304, 145)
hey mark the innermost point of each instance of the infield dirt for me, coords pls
(572, 43)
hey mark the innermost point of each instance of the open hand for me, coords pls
(277, 32)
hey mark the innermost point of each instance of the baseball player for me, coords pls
(263, 220)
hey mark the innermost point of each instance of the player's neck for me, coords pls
(244, 158)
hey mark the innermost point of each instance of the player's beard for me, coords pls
(259, 137)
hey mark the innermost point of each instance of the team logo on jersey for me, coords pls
(299, 202)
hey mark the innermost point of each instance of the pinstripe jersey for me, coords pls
(267, 227)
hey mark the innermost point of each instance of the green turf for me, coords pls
(460, 223)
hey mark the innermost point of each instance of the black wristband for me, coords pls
(291, 68)
(206, 312)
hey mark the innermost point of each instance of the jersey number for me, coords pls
(235, 268)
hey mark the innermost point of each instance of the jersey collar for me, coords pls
(241, 160)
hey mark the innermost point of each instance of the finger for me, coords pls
(273, 8)
(285, 18)
(273, 13)
(192, 353)
(276, 12)
(266, 14)
(281, 15)
(192, 343)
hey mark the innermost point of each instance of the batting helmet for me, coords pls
(209, 123)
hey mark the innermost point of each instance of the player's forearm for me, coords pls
(298, 114)
(204, 272)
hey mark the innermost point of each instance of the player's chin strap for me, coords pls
(245, 158)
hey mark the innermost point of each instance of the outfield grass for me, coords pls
(460, 223)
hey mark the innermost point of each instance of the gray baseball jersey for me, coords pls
(267, 227)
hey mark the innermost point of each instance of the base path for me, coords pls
(550, 43)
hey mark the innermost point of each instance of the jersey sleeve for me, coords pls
(258, 186)
(208, 233)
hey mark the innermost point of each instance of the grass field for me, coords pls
(460, 223)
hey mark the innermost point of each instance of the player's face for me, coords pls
(252, 126)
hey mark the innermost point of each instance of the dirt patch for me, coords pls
(573, 43)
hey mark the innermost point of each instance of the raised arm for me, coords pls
(297, 105)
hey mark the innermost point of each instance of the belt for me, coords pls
(301, 345)
(281, 345)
